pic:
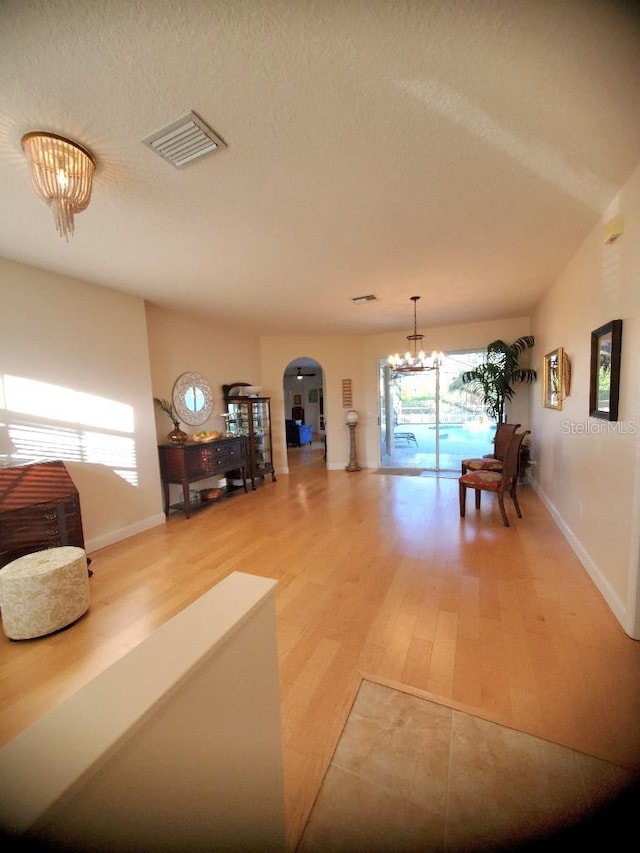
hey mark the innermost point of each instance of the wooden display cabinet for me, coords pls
(251, 417)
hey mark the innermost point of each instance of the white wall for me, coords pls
(75, 385)
(588, 470)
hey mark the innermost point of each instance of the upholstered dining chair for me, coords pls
(492, 461)
(498, 482)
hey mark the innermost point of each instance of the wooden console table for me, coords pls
(39, 508)
(187, 463)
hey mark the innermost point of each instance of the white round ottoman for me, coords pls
(43, 591)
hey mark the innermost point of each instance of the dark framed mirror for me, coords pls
(604, 383)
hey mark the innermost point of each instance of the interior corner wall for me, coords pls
(75, 385)
(79, 367)
(587, 470)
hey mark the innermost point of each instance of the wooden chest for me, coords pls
(39, 508)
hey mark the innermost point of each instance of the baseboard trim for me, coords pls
(98, 542)
(591, 567)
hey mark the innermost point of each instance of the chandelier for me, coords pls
(61, 173)
(416, 362)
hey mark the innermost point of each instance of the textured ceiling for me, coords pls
(460, 151)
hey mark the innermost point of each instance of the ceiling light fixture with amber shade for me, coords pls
(62, 175)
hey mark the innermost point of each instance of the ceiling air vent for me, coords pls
(368, 298)
(184, 141)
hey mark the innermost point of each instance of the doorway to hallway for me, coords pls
(304, 416)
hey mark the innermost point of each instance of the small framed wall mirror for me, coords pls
(553, 384)
(604, 382)
(192, 399)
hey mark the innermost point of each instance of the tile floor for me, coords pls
(410, 774)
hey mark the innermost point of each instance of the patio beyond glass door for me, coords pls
(431, 421)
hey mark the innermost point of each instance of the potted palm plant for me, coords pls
(495, 377)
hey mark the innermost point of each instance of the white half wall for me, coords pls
(176, 747)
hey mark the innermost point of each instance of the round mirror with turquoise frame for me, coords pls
(192, 399)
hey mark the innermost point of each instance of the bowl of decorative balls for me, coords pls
(203, 436)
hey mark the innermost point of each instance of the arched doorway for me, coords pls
(303, 387)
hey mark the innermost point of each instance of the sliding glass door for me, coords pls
(431, 421)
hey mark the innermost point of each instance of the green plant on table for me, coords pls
(168, 409)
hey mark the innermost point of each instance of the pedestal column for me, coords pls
(351, 419)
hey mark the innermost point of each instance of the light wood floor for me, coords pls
(379, 577)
